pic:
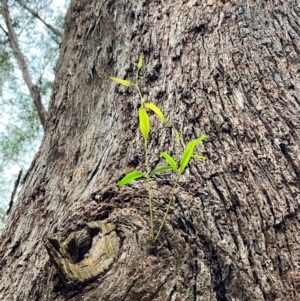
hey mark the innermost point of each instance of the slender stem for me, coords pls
(178, 136)
(137, 87)
(149, 190)
(147, 164)
(140, 93)
(169, 205)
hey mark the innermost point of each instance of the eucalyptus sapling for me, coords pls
(177, 169)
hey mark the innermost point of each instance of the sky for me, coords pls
(10, 174)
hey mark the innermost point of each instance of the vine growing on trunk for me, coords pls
(172, 165)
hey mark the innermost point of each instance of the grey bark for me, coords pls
(230, 70)
(33, 90)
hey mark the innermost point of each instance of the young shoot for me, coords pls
(172, 165)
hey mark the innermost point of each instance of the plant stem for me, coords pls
(178, 135)
(149, 189)
(137, 87)
(147, 164)
(169, 205)
(140, 93)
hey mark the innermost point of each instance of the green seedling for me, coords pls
(172, 165)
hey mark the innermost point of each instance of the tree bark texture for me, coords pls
(229, 69)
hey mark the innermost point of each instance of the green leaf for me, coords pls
(131, 176)
(199, 156)
(156, 110)
(200, 139)
(179, 137)
(170, 160)
(161, 169)
(144, 122)
(140, 63)
(188, 152)
(123, 82)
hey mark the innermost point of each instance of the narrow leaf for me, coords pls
(199, 156)
(188, 152)
(131, 176)
(161, 169)
(123, 82)
(144, 122)
(156, 110)
(140, 63)
(200, 139)
(170, 160)
(179, 137)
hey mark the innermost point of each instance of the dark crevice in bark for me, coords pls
(296, 169)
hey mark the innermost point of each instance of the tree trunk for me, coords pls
(229, 69)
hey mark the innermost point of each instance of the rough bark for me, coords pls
(230, 70)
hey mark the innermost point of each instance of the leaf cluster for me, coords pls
(172, 165)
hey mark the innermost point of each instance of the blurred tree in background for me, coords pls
(36, 28)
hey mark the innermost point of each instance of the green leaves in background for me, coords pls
(20, 128)
(131, 176)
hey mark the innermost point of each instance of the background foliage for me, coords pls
(20, 128)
